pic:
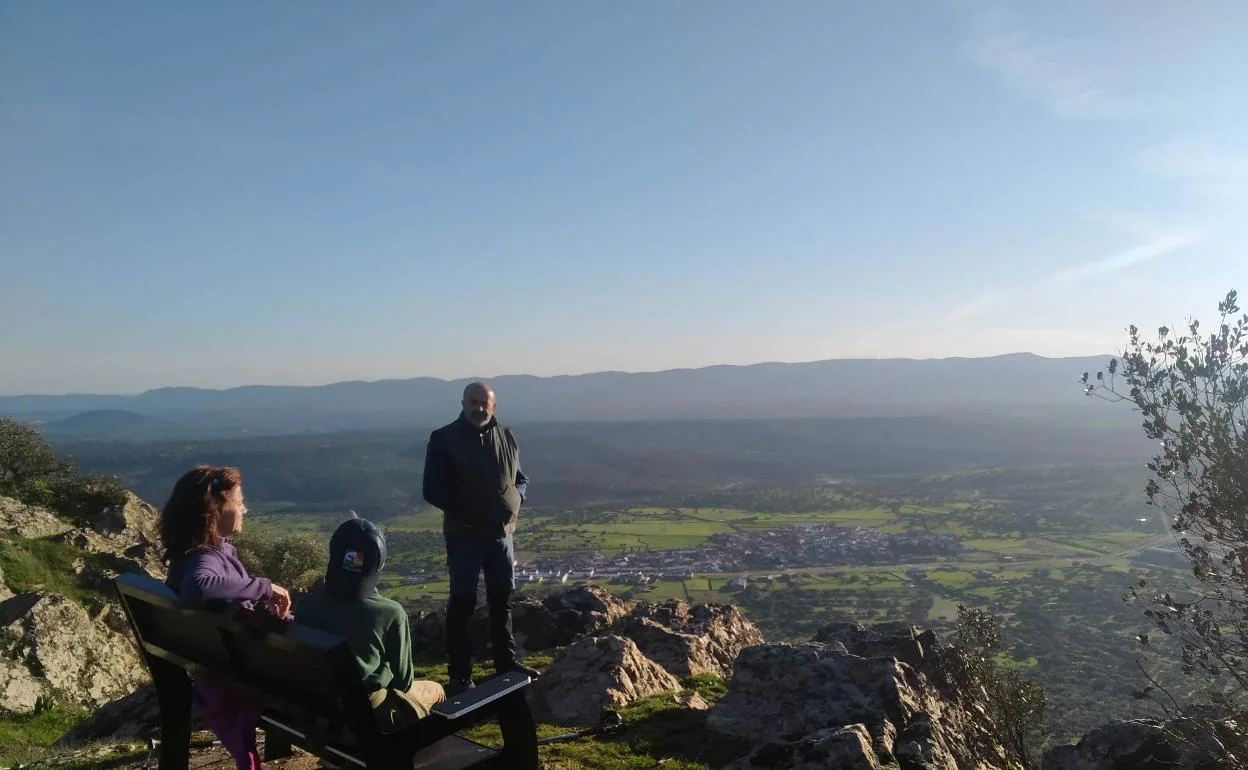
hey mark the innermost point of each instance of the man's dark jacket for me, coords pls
(473, 474)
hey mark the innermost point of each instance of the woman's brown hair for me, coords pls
(189, 520)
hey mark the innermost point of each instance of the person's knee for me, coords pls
(461, 604)
(499, 597)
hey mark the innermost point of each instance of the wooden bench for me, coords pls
(310, 689)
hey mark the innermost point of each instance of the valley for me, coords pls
(801, 523)
(1049, 548)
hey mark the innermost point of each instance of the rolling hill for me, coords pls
(1018, 386)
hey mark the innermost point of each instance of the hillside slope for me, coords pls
(1020, 385)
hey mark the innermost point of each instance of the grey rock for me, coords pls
(124, 538)
(27, 521)
(693, 701)
(5, 593)
(51, 647)
(797, 699)
(538, 624)
(843, 748)
(594, 673)
(1143, 744)
(688, 639)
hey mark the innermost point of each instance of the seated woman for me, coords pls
(375, 627)
(205, 507)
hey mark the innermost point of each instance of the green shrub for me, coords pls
(32, 472)
(294, 562)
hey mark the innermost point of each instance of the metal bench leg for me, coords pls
(277, 744)
(519, 732)
(173, 693)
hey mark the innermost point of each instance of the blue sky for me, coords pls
(225, 193)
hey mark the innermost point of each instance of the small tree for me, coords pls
(1192, 393)
(29, 466)
(293, 561)
(1008, 710)
(32, 472)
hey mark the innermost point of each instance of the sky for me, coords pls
(228, 193)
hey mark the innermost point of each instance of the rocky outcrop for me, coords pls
(51, 647)
(120, 539)
(900, 640)
(538, 623)
(1181, 744)
(596, 673)
(5, 593)
(690, 639)
(133, 717)
(843, 748)
(586, 609)
(821, 703)
(27, 521)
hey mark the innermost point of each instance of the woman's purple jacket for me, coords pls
(212, 579)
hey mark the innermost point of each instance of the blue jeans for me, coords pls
(466, 559)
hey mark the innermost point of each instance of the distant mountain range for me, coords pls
(1017, 386)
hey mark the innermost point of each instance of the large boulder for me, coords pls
(798, 700)
(123, 538)
(50, 647)
(843, 748)
(27, 521)
(5, 593)
(678, 654)
(1144, 744)
(596, 673)
(688, 639)
(900, 640)
(538, 623)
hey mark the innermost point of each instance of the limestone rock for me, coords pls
(27, 521)
(5, 593)
(679, 654)
(688, 639)
(902, 641)
(800, 698)
(1143, 744)
(581, 610)
(538, 624)
(123, 538)
(693, 701)
(51, 647)
(844, 748)
(594, 673)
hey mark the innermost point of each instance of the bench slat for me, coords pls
(476, 697)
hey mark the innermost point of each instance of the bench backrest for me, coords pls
(306, 674)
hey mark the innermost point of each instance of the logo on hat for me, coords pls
(353, 561)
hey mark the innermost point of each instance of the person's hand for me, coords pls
(279, 602)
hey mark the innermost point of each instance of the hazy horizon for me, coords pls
(498, 375)
(234, 194)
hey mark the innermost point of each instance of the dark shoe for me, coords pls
(457, 686)
(520, 668)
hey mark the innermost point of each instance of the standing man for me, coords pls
(472, 473)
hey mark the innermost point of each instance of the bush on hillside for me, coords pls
(1009, 710)
(32, 472)
(295, 562)
(1192, 394)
